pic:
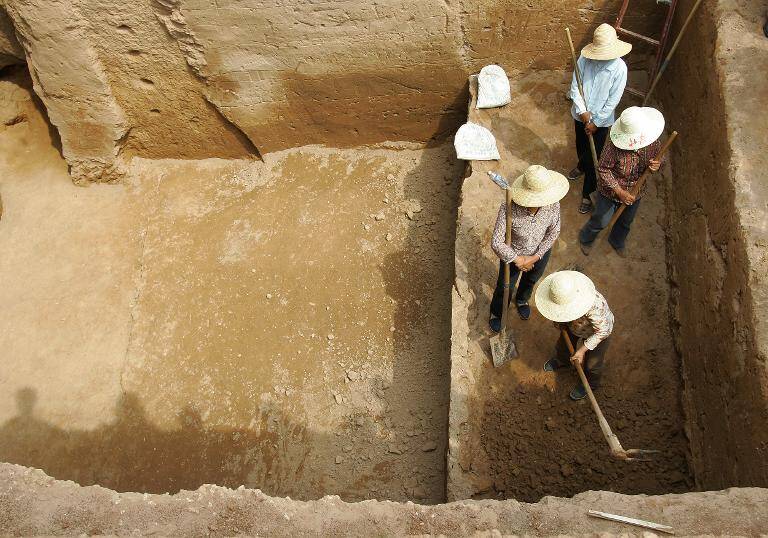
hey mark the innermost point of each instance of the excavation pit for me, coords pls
(315, 324)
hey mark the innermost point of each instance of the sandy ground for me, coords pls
(521, 437)
(282, 325)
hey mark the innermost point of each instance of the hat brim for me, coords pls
(615, 50)
(585, 298)
(526, 198)
(653, 128)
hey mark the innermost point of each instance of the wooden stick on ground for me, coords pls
(617, 450)
(632, 521)
(595, 161)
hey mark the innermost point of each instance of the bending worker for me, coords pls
(535, 214)
(604, 76)
(633, 147)
(569, 298)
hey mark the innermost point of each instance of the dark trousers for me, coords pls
(525, 289)
(602, 214)
(584, 155)
(593, 360)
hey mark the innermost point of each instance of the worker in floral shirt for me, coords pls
(535, 214)
(569, 298)
(633, 147)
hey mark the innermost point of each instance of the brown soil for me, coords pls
(282, 325)
(532, 440)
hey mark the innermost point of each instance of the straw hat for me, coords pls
(538, 187)
(565, 296)
(605, 45)
(638, 126)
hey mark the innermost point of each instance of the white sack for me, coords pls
(492, 87)
(475, 143)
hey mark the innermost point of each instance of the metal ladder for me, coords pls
(659, 43)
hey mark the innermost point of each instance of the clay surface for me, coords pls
(32, 503)
(282, 325)
(718, 237)
(513, 430)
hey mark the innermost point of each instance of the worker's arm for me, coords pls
(505, 253)
(601, 319)
(618, 83)
(606, 176)
(551, 235)
(574, 94)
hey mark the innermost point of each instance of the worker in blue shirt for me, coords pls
(604, 77)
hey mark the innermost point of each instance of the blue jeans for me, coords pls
(601, 215)
(525, 288)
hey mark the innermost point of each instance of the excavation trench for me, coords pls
(316, 323)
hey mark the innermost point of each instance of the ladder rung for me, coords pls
(646, 39)
(633, 91)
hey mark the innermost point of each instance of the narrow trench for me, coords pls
(294, 329)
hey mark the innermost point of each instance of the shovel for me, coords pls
(503, 347)
(617, 451)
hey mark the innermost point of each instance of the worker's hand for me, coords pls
(585, 117)
(530, 261)
(590, 128)
(654, 165)
(578, 357)
(520, 262)
(625, 197)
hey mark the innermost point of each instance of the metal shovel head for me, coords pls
(503, 348)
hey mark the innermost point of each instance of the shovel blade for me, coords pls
(503, 349)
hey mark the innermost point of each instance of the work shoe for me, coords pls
(495, 324)
(578, 393)
(622, 252)
(585, 206)
(574, 174)
(552, 364)
(524, 310)
(586, 248)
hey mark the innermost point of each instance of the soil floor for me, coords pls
(532, 440)
(282, 325)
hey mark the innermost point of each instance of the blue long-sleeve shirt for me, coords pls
(604, 82)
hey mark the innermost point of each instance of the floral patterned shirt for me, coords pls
(594, 326)
(532, 235)
(623, 167)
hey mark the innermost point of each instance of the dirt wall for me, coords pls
(200, 78)
(32, 503)
(718, 238)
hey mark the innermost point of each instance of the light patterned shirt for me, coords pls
(532, 235)
(596, 325)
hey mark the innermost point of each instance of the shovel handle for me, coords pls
(613, 441)
(595, 161)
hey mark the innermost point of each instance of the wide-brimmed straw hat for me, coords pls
(565, 296)
(606, 45)
(538, 187)
(637, 127)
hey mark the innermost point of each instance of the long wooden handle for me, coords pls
(613, 441)
(508, 241)
(592, 149)
(643, 178)
(671, 53)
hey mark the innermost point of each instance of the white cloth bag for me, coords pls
(474, 142)
(492, 87)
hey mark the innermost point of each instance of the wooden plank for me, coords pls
(632, 521)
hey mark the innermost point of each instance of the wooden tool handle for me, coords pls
(641, 181)
(508, 241)
(595, 160)
(613, 441)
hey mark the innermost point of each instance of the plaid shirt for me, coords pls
(623, 167)
(532, 235)
(594, 326)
